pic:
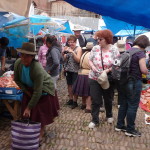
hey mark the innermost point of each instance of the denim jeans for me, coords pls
(130, 98)
(97, 93)
(118, 90)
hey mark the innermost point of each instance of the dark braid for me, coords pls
(53, 41)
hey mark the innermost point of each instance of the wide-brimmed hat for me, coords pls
(103, 80)
(121, 45)
(77, 28)
(89, 45)
(27, 48)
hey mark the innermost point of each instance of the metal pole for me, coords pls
(134, 31)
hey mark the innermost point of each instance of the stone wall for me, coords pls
(42, 4)
(62, 8)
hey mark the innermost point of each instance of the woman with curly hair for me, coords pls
(101, 59)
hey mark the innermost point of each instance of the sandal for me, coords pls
(40, 143)
(87, 111)
(83, 107)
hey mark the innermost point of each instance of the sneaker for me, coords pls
(102, 109)
(70, 102)
(133, 133)
(121, 129)
(110, 120)
(118, 106)
(74, 105)
(92, 125)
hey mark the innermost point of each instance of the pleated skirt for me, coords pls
(81, 86)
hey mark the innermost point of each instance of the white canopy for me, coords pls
(20, 7)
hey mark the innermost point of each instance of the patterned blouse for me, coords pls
(70, 64)
(108, 57)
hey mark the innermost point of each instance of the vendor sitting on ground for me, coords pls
(40, 102)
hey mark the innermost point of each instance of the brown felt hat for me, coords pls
(27, 48)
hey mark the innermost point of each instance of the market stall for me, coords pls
(145, 98)
(10, 94)
(145, 101)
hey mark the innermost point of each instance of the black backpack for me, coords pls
(121, 66)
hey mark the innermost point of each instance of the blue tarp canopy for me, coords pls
(67, 28)
(21, 28)
(121, 28)
(3, 19)
(66, 24)
(28, 22)
(136, 12)
(123, 33)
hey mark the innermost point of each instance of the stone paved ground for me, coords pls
(70, 131)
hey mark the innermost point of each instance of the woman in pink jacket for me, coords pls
(42, 52)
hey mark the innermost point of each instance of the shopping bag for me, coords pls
(25, 135)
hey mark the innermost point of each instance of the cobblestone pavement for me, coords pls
(70, 131)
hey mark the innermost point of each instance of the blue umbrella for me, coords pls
(18, 30)
(3, 19)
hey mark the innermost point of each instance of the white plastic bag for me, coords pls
(147, 119)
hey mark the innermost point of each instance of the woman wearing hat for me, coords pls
(101, 58)
(81, 86)
(39, 103)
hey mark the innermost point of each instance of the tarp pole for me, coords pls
(34, 39)
(134, 31)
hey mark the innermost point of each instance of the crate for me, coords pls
(11, 91)
(11, 97)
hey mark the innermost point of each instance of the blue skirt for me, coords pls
(81, 86)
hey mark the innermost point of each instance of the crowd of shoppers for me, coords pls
(85, 67)
(99, 61)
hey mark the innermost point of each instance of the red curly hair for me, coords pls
(106, 34)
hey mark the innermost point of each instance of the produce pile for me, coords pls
(7, 81)
(145, 100)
